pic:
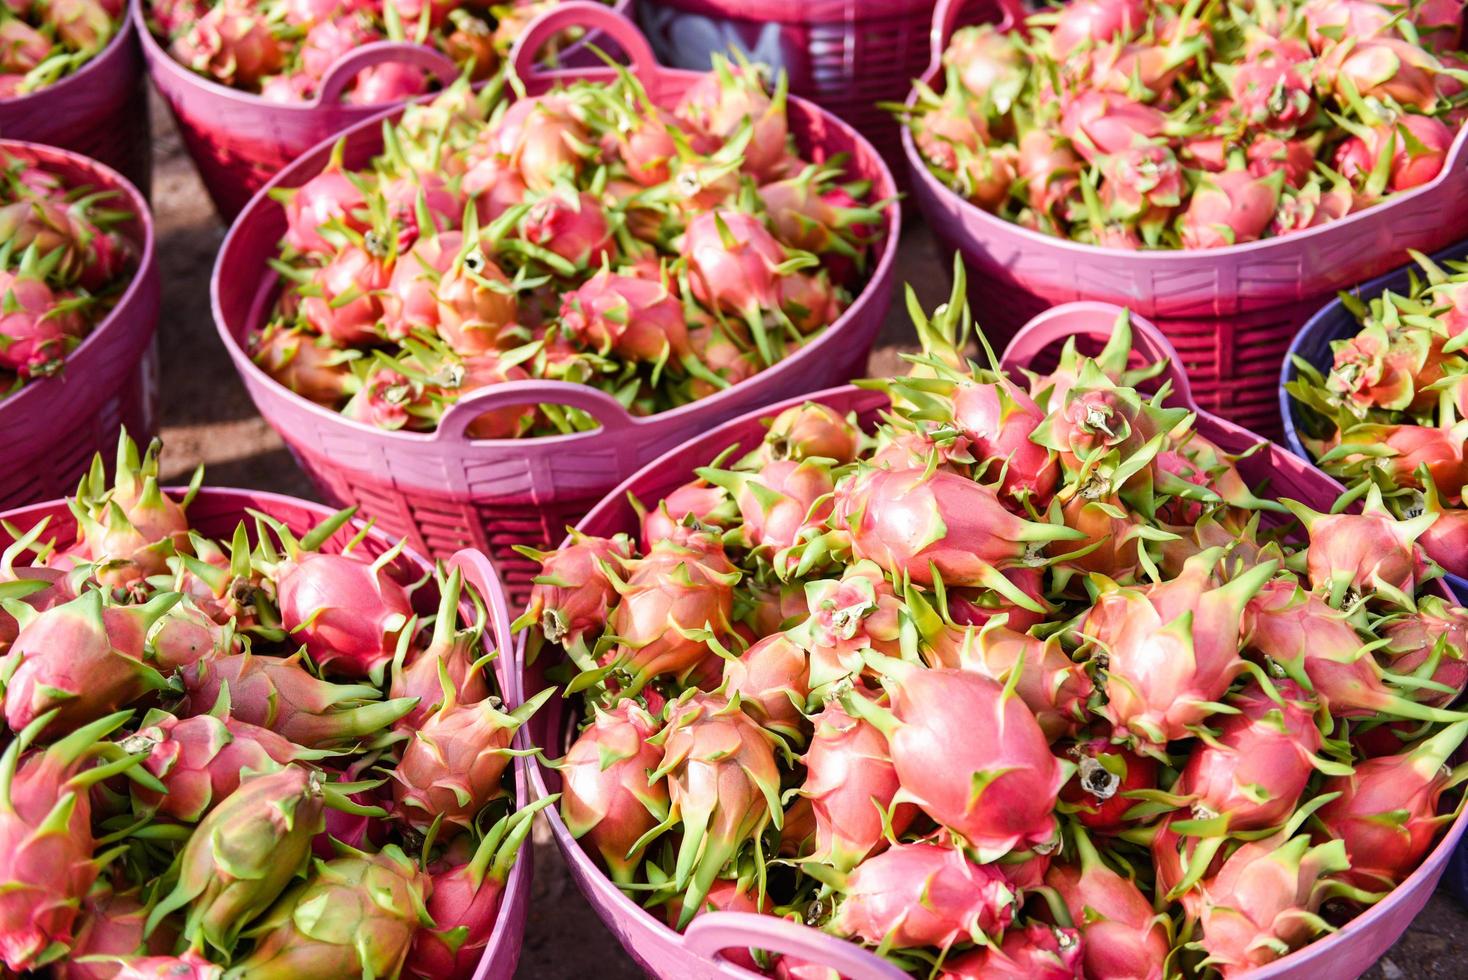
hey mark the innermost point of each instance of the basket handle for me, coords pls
(600, 405)
(479, 572)
(1006, 15)
(1095, 320)
(713, 932)
(344, 69)
(593, 17)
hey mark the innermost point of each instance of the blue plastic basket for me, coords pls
(1312, 344)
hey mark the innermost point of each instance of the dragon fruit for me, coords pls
(111, 923)
(852, 787)
(356, 914)
(244, 854)
(858, 612)
(47, 865)
(451, 650)
(282, 695)
(772, 679)
(1008, 780)
(233, 43)
(81, 660)
(730, 97)
(1363, 553)
(1120, 934)
(639, 319)
(451, 767)
(574, 229)
(812, 429)
(572, 593)
(997, 420)
(1105, 774)
(33, 336)
(1432, 642)
(1387, 811)
(607, 799)
(778, 501)
(924, 895)
(1038, 952)
(697, 502)
(347, 611)
(189, 966)
(723, 788)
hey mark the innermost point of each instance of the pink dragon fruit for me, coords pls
(1328, 21)
(1096, 21)
(1049, 169)
(1171, 649)
(733, 265)
(1120, 934)
(390, 81)
(78, 661)
(189, 966)
(231, 42)
(721, 102)
(772, 679)
(200, 760)
(346, 299)
(921, 524)
(988, 63)
(807, 215)
(467, 896)
(1430, 642)
(1037, 952)
(1271, 92)
(186, 634)
(451, 767)
(851, 785)
(639, 319)
(572, 594)
(1400, 451)
(1251, 774)
(46, 862)
(607, 800)
(541, 138)
(1363, 553)
(1105, 773)
(813, 429)
(1100, 124)
(1262, 902)
(327, 41)
(111, 923)
(723, 787)
(857, 612)
(1230, 208)
(997, 420)
(778, 501)
(451, 650)
(971, 607)
(1446, 538)
(697, 502)
(921, 894)
(347, 611)
(330, 196)
(1382, 67)
(1387, 812)
(283, 696)
(297, 360)
(998, 785)
(244, 854)
(1294, 156)
(673, 602)
(576, 229)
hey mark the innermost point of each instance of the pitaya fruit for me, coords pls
(185, 634)
(639, 319)
(456, 652)
(777, 501)
(723, 788)
(607, 798)
(998, 783)
(572, 594)
(857, 612)
(347, 611)
(244, 854)
(730, 97)
(1432, 643)
(997, 419)
(111, 923)
(189, 966)
(451, 767)
(851, 785)
(1121, 936)
(233, 43)
(1230, 208)
(697, 502)
(1105, 774)
(1363, 553)
(345, 302)
(813, 429)
(1037, 952)
(772, 679)
(734, 265)
(922, 894)
(574, 228)
(33, 337)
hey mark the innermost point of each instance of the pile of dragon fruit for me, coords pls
(1150, 124)
(1390, 417)
(63, 266)
(243, 757)
(1024, 681)
(43, 41)
(586, 235)
(283, 49)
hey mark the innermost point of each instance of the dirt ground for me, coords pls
(207, 417)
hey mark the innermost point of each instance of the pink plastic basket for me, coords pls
(239, 141)
(217, 511)
(843, 55)
(52, 426)
(1230, 312)
(664, 953)
(100, 111)
(444, 491)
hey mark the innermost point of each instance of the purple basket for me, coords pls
(1229, 311)
(444, 491)
(217, 511)
(51, 427)
(239, 141)
(99, 111)
(665, 953)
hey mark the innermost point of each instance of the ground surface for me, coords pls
(208, 417)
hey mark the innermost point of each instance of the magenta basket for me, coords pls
(217, 511)
(695, 954)
(1230, 312)
(444, 491)
(239, 141)
(52, 426)
(843, 55)
(99, 111)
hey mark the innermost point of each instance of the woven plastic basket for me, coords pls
(52, 426)
(695, 955)
(843, 55)
(1230, 312)
(217, 511)
(100, 111)
(239, 141)
(444, 491)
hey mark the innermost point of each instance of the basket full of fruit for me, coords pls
(1219, 169)
(248, 737)
(253, 86)
(999, 670)
(476, 320)
(78, 309)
